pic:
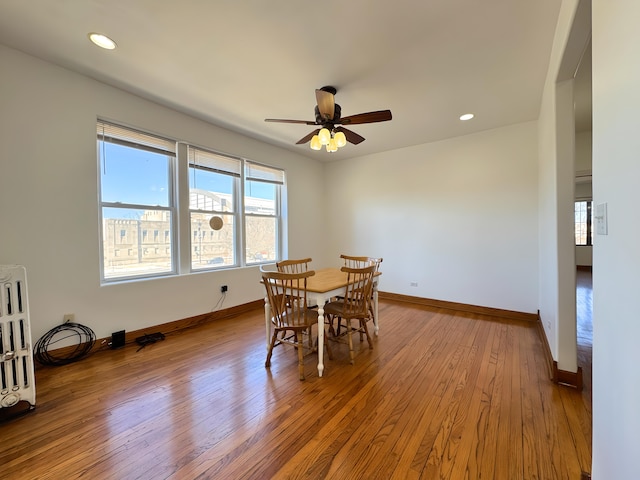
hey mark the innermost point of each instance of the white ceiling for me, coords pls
(235, 63)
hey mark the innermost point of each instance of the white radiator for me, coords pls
(17, 378)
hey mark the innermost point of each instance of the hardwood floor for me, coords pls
(442, 395)
(584, 331)
(584, 335)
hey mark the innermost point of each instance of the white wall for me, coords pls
(48, 200)
(584, 255)
(556, 194)
(616, 258)
(583, 190)
(459, 217)
(583, 151)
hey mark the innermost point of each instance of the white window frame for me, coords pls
(589, 224)
(258, 172)
(179, 205)
(129, 137)
(208, 160)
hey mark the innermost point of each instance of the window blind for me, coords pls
(262, 173)
(108, 132)
(213, 161)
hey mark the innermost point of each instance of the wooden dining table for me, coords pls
(321, 287)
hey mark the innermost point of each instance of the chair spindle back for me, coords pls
(287, 294)
(358, 291)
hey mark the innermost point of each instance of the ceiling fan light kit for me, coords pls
(324, 135)
(328, 115)
(315, 143)
(340, 138)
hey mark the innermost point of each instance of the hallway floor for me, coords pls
(584, 333)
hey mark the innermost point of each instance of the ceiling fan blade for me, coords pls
(306, 138)
(369, 117)
(280, 120)
(352, 137)
(326, 104)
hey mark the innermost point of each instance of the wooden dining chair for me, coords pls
(359, 262)
(354, 261)
(287, 296)
(293, 266)
(354, 305)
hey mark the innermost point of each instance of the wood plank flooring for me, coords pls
(443, 395)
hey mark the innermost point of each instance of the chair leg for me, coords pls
(274, 337)
(351, 354)
(329, 352)
(329, 320)
(310, 338)
(300, 357)
(363, 325)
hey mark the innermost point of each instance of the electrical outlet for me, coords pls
(68, 318)
(414, 284)
(224, 289)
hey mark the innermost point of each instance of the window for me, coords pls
(234, 213)
(135, 195)
(213, 186)
(583, 222)
(262, 212)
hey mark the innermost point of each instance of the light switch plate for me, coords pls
(601, 219)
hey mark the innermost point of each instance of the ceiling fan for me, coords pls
(328, 118)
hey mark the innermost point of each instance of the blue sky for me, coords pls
(140, 177)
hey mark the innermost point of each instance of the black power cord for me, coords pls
(148, 339)
(86, 339)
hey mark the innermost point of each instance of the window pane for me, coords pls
(127, 252)
(260, 198)
(210, 191)
(133, 176)
(211, 248)
(261, 239)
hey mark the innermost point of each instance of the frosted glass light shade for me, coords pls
(341, 139)
(315, 143)
(331, 146)
(324, 135)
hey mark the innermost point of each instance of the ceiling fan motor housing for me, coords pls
(336, 116)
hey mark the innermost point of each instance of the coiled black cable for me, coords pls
(86, 340)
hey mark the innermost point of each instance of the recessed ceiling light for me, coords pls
(466, 116)
(102, 41)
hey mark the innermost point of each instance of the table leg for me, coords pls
(320, 336)
(267, 320)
